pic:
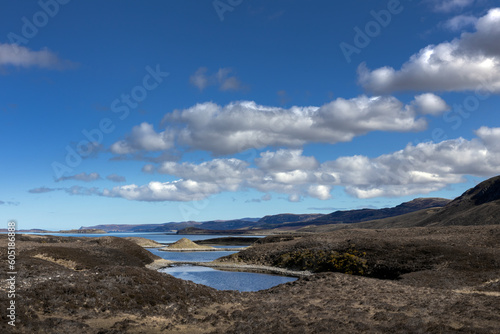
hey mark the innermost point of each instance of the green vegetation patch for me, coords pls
(350, 261)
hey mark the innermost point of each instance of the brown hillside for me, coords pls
(477, 206)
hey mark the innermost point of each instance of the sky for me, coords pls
(128, 112)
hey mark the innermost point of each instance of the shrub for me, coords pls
(350, 261)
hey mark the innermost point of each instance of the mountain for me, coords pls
(273, 220)
(234, 224)
(173, 226)
(356, 216)
(165, 227)
(282, 221)
(477, 206)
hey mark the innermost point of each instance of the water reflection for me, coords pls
(226, 280)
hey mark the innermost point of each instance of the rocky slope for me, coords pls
(477, 206)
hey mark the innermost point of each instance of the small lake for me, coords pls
(226, 280)
(218, 279)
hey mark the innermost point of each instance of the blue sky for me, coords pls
(148, 112)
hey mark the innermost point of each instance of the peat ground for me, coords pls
(442, 280)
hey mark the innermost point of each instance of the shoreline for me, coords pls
(243, 268)
(237, 249)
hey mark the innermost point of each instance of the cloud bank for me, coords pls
(244, 125)
(416, 169)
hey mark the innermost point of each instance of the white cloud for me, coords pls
(242, 125)
(470, 62)
(416, 169)
(459, 22)
(227, 174)
(490, 136)
(286, 160)
(419, 169)
(429, 103)
(222, 78)
(450, 5)
(143, 138)
(319, 191)
(294, 198)
(182, 190)
(20, 56)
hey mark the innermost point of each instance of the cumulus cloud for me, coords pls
(243, 125)
(20, 56)
(471, 62)
(223, 78)
(490, 137)
(143, 138)
(416, 169)
(286, 160)
(429, 103)
(81, 177)
(182, 190)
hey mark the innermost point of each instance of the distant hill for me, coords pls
(477, 206)
(355, 216)
(283, 218)
(234, 224)
(284, 221)
(218, 225)
(195, 230)
(165, 227)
